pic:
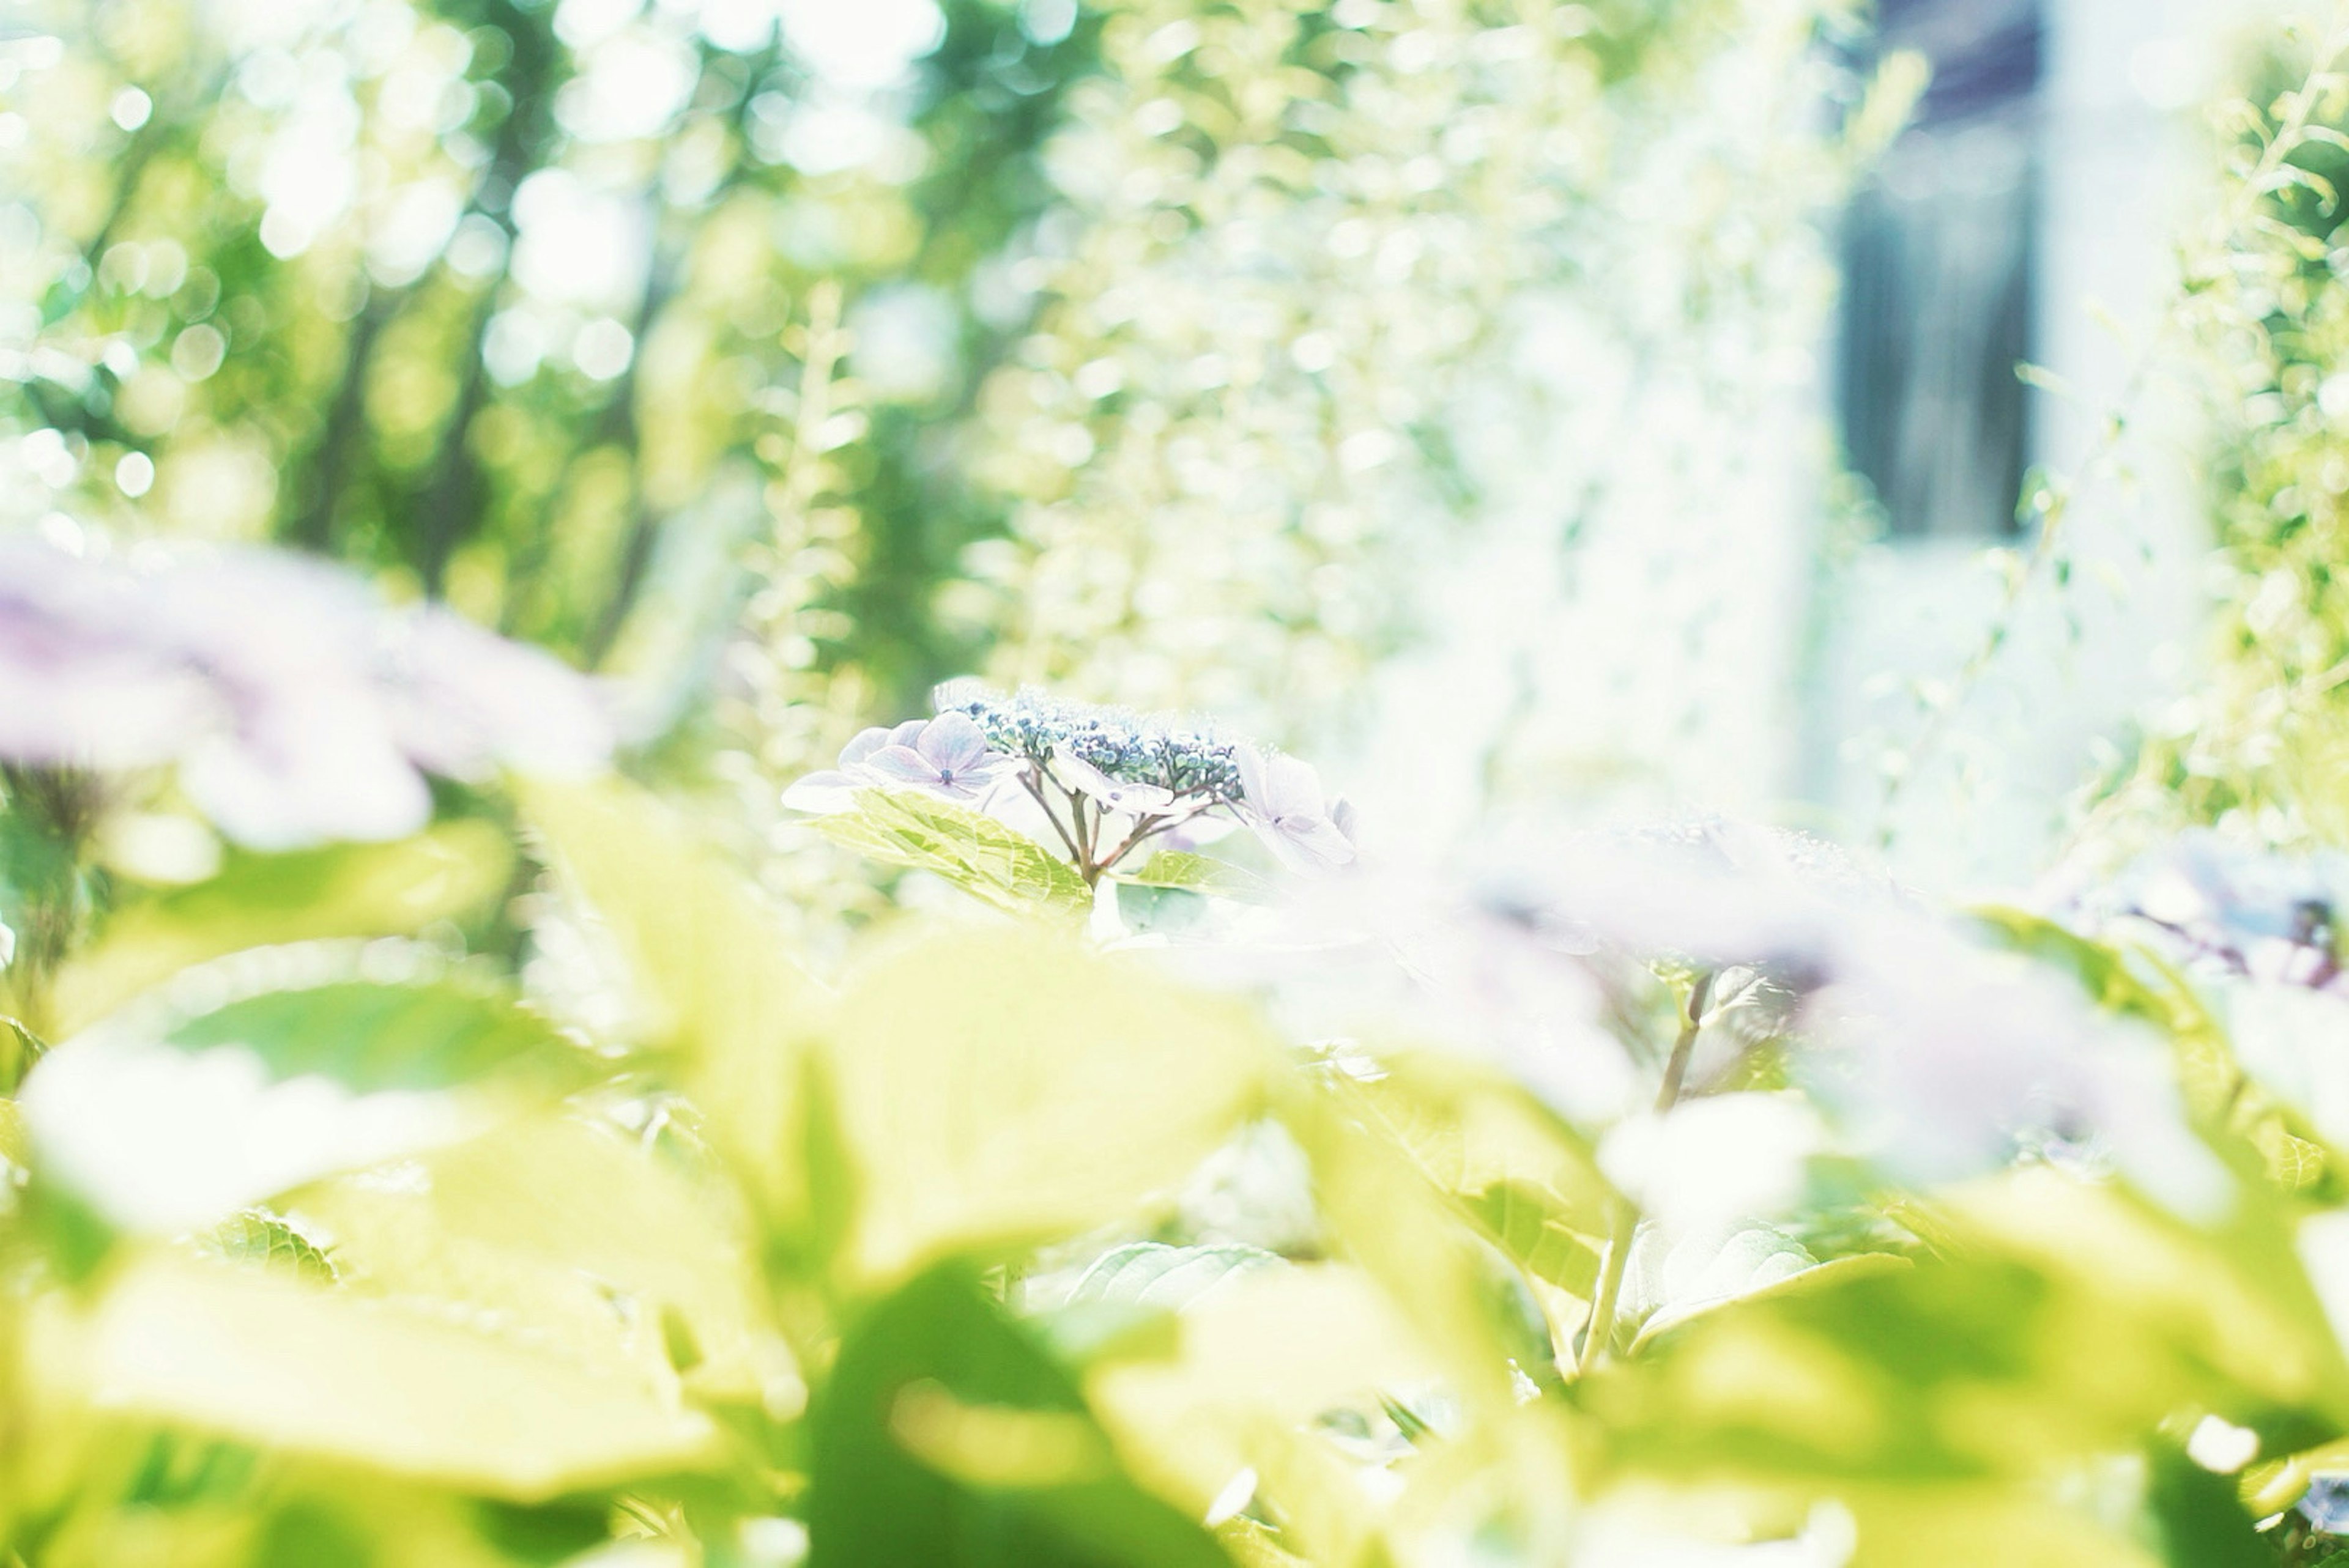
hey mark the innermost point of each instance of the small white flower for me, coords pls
(1114, 794)
(1283, 803)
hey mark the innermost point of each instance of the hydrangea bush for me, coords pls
(1176, 1181)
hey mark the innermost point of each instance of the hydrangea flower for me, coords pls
(2225, 910)
(835, 789)
(1118, 795)
(948, 757)
(1939, 1057)
(1093, 784)
(298, 708)
(1282, 798)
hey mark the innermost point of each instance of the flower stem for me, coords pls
(1027, 781)
(1609, 1292)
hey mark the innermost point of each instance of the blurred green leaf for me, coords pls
(714, 979)
(373, 1384)
(948, 1436)
(349, 890)
(1001, 1086)
(2201, 1522)
(371, 1035)
(1256, 1366)
(573, 1232)
(19, 1050)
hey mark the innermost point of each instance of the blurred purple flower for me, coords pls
(1282, 801)
(81, 681)
(2224, 909)
(299, 707)
(1939, 1059)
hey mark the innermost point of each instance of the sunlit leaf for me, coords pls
(566, 1229)
(713, 976)
(349, 890)
(1004, 1086)
(1198, 873)
(269, 1241)
(1258, 1361)
(976, 853)
(1150, 1274)
(269, 1069)
(289, 1367)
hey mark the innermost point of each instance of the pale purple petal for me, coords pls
(1136, 800)
(1250, 763)
(1305, 843)
(83, 677)
(953, 743)
(1292, 788)
(903, 765)
(866, 743)
(1081, 775)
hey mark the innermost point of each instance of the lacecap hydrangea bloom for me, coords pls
(1094, 784)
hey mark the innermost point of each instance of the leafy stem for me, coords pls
(1608, 1292)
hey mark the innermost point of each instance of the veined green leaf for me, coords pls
(268, 1242)
(976, 853)
(1150, 1273)
(1199, 873)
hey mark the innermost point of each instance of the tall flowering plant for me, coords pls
(1100, 792)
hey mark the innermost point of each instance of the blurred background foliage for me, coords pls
(786, 358)
(2258, 332)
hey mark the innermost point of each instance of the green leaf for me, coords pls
(976, 853)
(999, 1087)
(295, 1369)
(712, 974)
(1199, 873)
(370, 1036)
(571, 1231)
(269, 1241)
(347, 891)
(19, 1050)
(1150, 1273)
(947, 1437)
(1255, 1367)
(1829, 1275)
(1528, 1224)
(2102, 971)
(216, 1092)
(2200, 1519)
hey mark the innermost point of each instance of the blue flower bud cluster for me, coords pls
(1127, 746)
